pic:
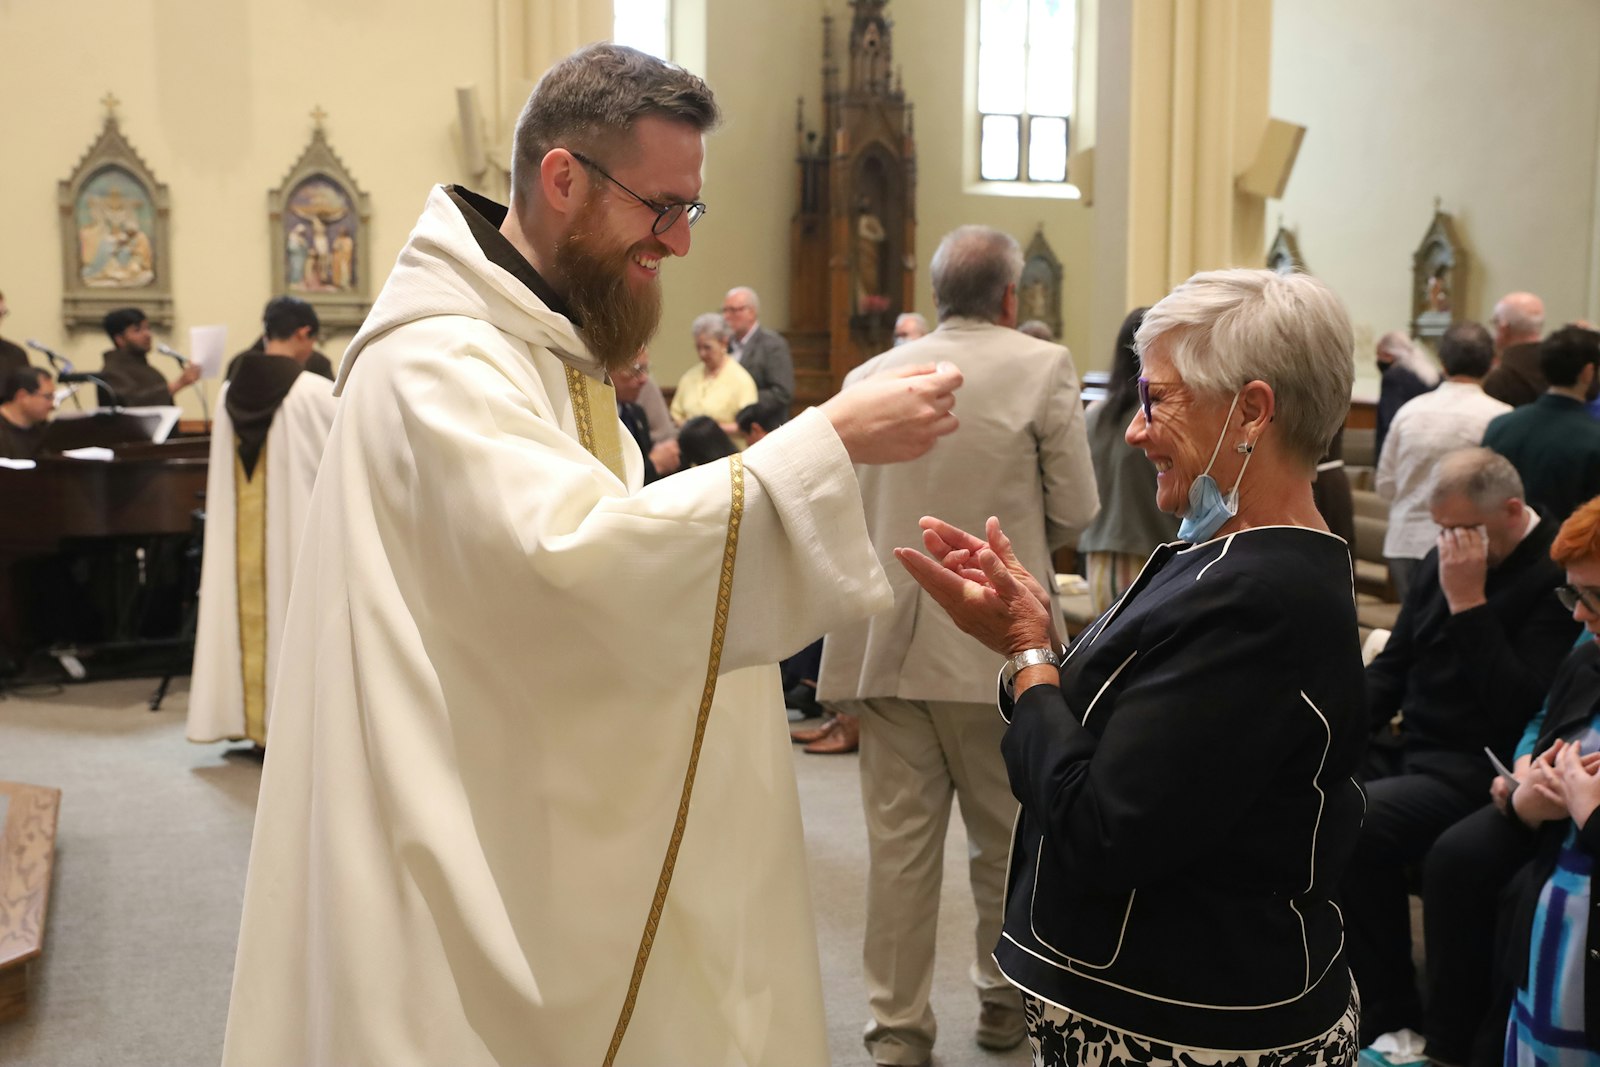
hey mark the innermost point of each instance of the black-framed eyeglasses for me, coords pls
(1573, 595)
(667, 215)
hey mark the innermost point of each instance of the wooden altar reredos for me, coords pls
(853, 238)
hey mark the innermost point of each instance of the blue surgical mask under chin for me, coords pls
(1209, 509)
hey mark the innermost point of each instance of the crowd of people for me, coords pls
(529, 796)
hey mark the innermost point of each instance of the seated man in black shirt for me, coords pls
(1477, 642)
(30, 397)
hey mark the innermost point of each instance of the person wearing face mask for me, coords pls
(1554, 442)
(1186, 771)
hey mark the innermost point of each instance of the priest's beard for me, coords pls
(617, 320)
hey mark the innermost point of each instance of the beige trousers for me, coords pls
(914, 756)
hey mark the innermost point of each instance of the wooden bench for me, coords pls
(27, 855)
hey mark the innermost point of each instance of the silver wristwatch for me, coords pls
(1028, 657)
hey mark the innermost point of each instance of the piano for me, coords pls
(62, 504)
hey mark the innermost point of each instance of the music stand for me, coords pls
(107, 429)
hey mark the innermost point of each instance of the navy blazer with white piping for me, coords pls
(1188, 804)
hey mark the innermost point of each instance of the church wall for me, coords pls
(1492, 107)
(217, 97)
(760, 56)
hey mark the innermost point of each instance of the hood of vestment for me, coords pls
(442, 270)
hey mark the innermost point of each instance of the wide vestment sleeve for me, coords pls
(477, 760)
(1194, 731)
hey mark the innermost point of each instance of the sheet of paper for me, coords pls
(104, 455)
(208, 348)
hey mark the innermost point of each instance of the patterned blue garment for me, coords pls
(1546, 1027)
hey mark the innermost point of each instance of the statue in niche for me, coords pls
(870, 239)
(1439, 290)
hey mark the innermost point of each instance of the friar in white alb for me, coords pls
(499, 645)
(272, 423)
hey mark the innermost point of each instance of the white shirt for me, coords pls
(1451, 417)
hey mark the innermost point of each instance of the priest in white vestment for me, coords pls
(266, 441)
(498, 645)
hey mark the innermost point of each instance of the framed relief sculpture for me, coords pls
(319, 223)
(1039, 291)
(115, 251)
(1438, 278)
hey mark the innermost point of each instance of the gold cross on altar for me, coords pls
(110, 101)
(317, 115)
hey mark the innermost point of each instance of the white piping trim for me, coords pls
(1086, 711)
(1180, 1003)
(1032, 908)
(1226, 544)
(1322, 798)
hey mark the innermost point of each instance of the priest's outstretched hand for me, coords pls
(896, 416)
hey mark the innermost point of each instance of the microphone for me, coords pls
(68, 377)
(168, 350)
(55, 360)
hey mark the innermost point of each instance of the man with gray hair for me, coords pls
(909, 326)
(924, 691)
(1518, 321)
(1471, 657)
(510, 666)
(762, 352)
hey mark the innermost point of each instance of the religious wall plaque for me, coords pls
(1438, 278)
(319, 223)
(1039, 291)
(1283, 255)
(115, 251)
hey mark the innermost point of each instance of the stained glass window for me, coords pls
(1027, 63)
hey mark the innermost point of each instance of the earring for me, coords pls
(1244, 448)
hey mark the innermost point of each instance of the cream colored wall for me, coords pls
(760, 55)
(1493, 107)
(216, 97)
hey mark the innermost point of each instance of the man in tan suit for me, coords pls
(924, 690)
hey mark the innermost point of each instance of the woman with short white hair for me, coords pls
(718, 386)
(1186, 771)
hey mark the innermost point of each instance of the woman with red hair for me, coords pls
(1555, 1018)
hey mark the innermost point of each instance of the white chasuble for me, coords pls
(253, 531)
(492, 672)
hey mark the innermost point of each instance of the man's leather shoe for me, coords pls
(1001, 1027)
(813, 733)
(844, 737)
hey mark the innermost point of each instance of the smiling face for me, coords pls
(609, 259)
(1181, 434)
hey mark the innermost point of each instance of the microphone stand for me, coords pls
(184, 362)
(61, 365)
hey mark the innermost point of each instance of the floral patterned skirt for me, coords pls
(1061, 1038)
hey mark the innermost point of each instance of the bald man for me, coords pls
(1518, 324)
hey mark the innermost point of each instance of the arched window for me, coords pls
(643, 24)
(1027, 69)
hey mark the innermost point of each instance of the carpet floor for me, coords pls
(151, 851)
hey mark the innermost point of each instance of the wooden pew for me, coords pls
(27, 855)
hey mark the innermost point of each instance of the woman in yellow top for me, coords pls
(718, 387)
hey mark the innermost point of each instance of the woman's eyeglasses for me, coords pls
(1573, 595)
